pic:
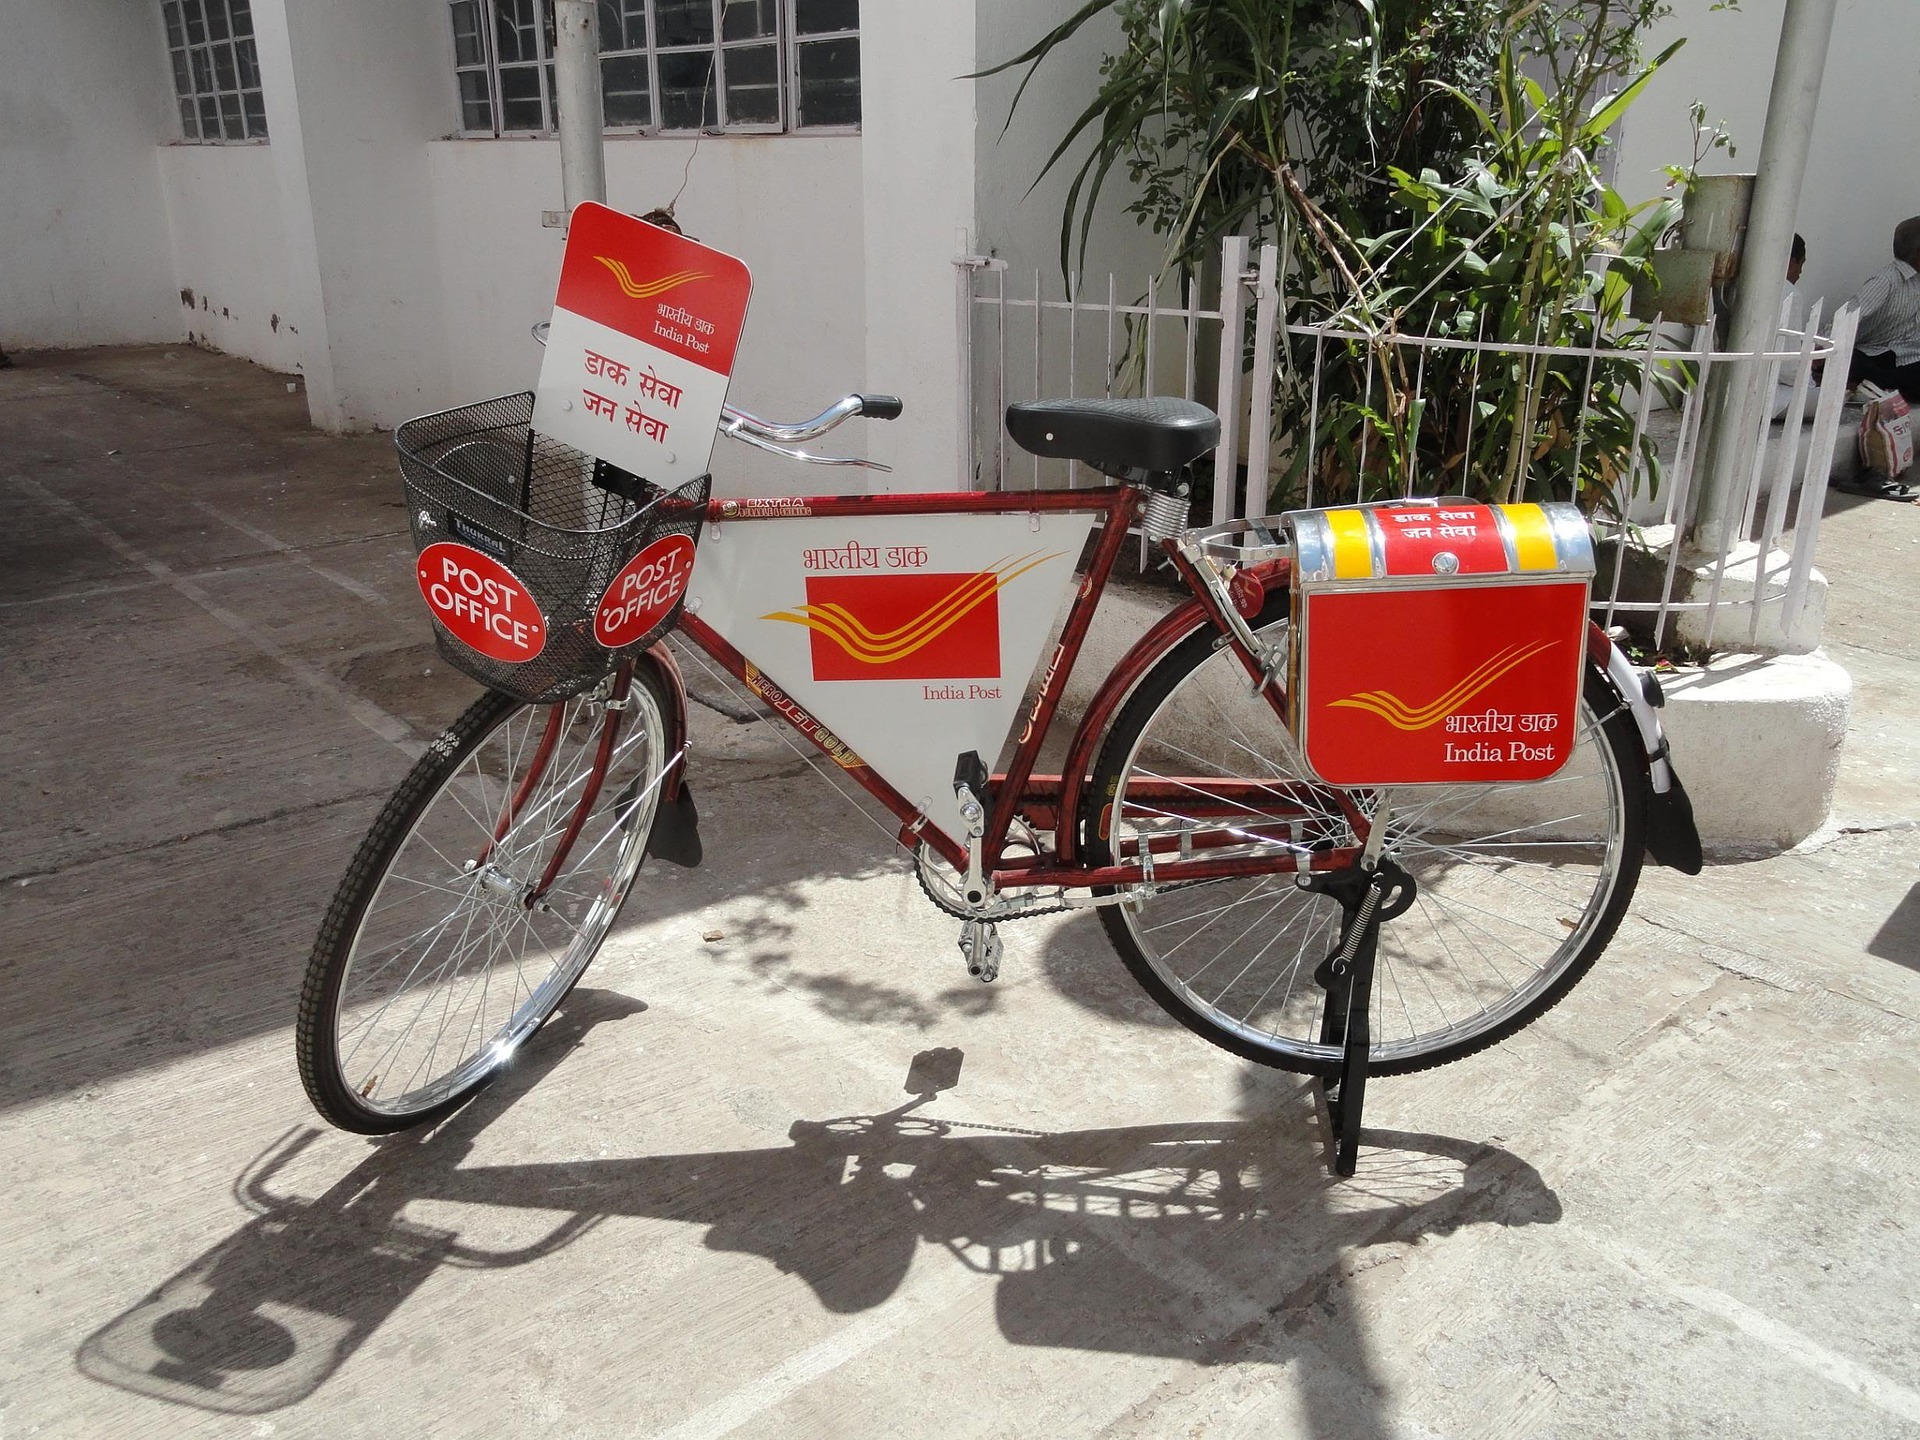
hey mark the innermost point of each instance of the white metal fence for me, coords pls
(1022, 342)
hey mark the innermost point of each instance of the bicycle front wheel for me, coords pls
(1520, 886)
(436, 960)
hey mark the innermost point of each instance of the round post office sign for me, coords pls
(483, 604)
(644, 591)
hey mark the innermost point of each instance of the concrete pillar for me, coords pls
(917, 161)
(1805, 30)
(576, 67)
(354, 90)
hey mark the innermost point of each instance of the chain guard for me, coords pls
(928, 868)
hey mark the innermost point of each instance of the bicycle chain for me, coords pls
(960, 912)
(999, 1129)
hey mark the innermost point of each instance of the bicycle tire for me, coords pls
(1486, 885)
(427, 846)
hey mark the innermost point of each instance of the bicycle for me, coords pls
(1251, 899)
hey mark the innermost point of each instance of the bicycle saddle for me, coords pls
(1161, 434)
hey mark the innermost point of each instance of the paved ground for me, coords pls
(1683, 1204)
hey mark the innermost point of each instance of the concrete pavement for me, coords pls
(1682, 1204)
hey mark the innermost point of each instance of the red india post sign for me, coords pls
(645, 326)
(1451, 683)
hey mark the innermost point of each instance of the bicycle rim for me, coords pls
(450, 969)
(1519, 886)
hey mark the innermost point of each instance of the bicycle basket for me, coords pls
(559, 522)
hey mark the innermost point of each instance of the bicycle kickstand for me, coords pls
(1367, 897)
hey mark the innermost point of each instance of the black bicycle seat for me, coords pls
(1161, 434)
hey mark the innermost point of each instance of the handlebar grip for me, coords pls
(880, 407)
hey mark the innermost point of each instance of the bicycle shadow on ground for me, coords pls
(1209, 1242)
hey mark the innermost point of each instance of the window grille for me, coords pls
(216, 74)
(751, 66)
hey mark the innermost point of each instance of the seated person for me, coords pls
(1886, 349)
(1783, 390)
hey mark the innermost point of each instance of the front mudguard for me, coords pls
(1673, 839)
(676, 824)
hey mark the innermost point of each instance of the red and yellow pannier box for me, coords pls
(1437, 641)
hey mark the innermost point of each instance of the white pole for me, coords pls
(1233, 315)
(576, 75)
(1804, 31)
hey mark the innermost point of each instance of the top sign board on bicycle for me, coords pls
(641, 347)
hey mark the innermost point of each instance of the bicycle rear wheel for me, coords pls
(431, 967)
(1519, 886)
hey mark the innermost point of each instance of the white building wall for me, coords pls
(84, 99)
(229, 251)
(399, 269)
(1862, 177)
(1019, 222)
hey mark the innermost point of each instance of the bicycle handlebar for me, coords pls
(737, 424)
(735, 421)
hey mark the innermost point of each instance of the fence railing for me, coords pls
(1020, 342)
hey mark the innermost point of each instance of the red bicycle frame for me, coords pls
(1054, 802)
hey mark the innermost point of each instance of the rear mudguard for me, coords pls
(676, 825)
(1673, 839)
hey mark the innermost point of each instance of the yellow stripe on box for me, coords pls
(1533, 547)
(1352, 549)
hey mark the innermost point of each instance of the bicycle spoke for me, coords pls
(449, 958)
(1513, 883)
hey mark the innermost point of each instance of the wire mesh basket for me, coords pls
(563, 523)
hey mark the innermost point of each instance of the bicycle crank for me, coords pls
(980, 946)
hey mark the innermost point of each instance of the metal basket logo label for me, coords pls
(907, 627)
(479, 536)
(644, 592)
(480, 602)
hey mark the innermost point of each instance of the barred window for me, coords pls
(216, 74)
(754, 66)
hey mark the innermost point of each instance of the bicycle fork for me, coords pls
(615, 710)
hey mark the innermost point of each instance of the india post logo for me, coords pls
(648, 289)
(1402, 716)
(906, 627)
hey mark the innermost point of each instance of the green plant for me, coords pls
(1427, 170)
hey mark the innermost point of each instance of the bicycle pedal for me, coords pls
(980, 947)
